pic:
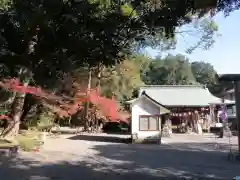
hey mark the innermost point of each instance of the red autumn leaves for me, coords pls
(107, 107)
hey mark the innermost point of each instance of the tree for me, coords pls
(40, 41)
(155, 73)
(22, 53)
(204, 73)
(122, 80)
(64, 106)
(51, 42)
(171, 70)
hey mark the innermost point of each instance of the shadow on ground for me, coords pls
(96, 138)
(127, 161)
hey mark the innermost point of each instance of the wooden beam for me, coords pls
(236, 79)
(229, 77)
(237, 97)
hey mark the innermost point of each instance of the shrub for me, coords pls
(46, 121)
(29, 140)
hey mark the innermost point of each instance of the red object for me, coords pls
(108, 107)
(3, 117)
(36, 150)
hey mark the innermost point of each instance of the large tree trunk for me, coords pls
(12, 128)
(13, 124)
(29, 103)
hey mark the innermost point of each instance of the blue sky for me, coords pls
(224, 55)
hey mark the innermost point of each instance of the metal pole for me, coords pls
(237, 102)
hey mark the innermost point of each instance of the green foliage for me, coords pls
(5, 143)
(205, 31)
(52, 38)
(29, 140)
(127, 10)
(204, 73)
(171, 70)
(4, 4)
(45, 121)
(54, 42)
(38, 118)
(122, 80)
(177, 70)
(220, 88)
(61, 35)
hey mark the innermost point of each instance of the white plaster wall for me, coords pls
(143, 106)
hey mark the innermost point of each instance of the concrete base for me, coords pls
(166, 132)
(225, 132)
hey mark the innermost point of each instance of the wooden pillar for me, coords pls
(237, 102)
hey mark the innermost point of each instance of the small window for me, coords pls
(234, 109)
(229, 110)
(143, 123)
(149, 123)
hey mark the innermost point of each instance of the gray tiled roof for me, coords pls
(180, 95)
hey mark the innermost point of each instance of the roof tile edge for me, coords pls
(190, 86)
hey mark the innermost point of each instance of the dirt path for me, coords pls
(75, 158)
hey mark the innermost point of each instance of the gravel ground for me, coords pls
(87, 157)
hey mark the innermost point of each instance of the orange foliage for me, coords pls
(108, 107)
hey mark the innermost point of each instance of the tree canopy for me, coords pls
(171, 70)
(204, 73)
(48, 36)
(44, 41)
